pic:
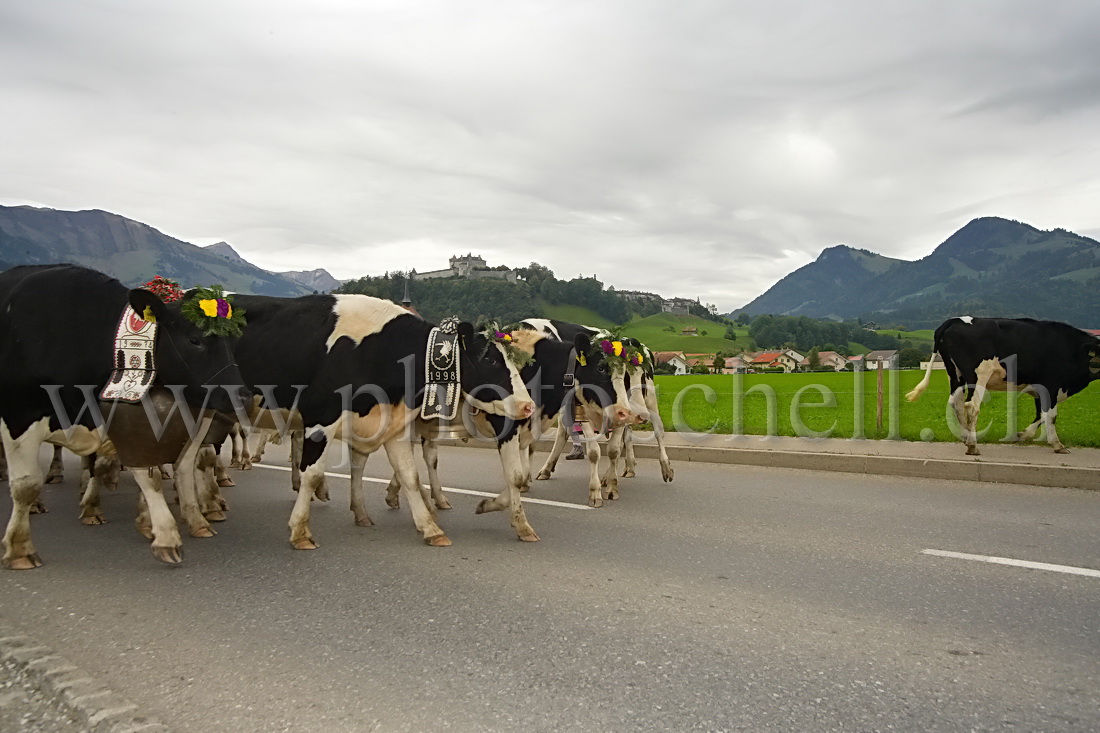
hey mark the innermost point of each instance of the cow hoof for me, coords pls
(93, 520)
(613, 494)
(364, 522)
(145, 531)
(972, 450)
(202, 532)
(530, 537)
(38, 507)
(246, 466)
(321, 494)
(543, 475)
(628, 474)
(54, 478)
(667, 473)
(236, 464)
(304, 544)
(27, 562)
(224, 482)
(1061, 450)
(393, 502)
(441, 540)
(164, 474)
(442, 503)
(215, 516)
(595, 502)
(170, 555)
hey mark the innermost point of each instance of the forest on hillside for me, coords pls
(485, 300)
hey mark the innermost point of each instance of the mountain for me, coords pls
(128, 250)
(990, 267)
(813, 290)
(319, 280)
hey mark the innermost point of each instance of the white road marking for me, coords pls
(1018, 563)
(546, 502)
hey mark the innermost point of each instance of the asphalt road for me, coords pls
(736, 598)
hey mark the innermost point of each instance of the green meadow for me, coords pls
(836, 405)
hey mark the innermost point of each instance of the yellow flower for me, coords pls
(618, 347)
(229, 310)
(209, 307)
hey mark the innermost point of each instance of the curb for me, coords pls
(99, 708)
(1066, 477)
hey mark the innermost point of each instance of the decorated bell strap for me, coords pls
(442, 377)
(134, 358)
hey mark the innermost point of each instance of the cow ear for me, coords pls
(582, 343)
(466, 333)
(141, 299)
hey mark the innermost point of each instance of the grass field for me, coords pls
(574, 314)
(828, 405)
(651, 332)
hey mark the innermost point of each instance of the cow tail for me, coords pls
(917, 391)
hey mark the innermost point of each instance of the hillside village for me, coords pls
(774, 361)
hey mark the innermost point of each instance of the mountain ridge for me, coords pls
(126, 249)
(990, 267)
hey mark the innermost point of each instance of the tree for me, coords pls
(743, 319)
(910, 358)
(719, 364)
(813, 360)
(731, 333)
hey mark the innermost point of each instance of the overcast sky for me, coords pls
(695, 149)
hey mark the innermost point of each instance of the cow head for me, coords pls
(186, 356)
(490, 379)
(610, 356)
(562, 370)
(639, 379)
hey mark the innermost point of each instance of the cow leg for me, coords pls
(25, 477)
(167, 545)
(221, 476)
(610, 479)
(1028, 433)
(511, 461)
(185, 470)
(592, 453)
(3, 465)
(56, 472)
(261, 443)
(431, 459)
(296, 438)
(358, 506)
(630, 463)
(560, 439)
(312, 466)
(400, 454)
(667, 472)
(210, 501)
(1049, 418)
(96, 472)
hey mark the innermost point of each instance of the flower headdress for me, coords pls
(212, 310)
(617, 352)
(516, 355)
(166, 289)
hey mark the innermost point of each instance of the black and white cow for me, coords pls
(57, 327)
(625, 410)
(641, 400)
(1047, 359)
(352, 368)
(559, 374)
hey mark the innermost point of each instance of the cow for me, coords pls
(640, 379)
(559, 375)
(351, 368)
(57, 333)
(1047, 359)
(636, 382)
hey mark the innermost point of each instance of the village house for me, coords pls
(735, 365)
(788, 360)
(875, 358)
(827, 360)
(689, 331)
(675, 359)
